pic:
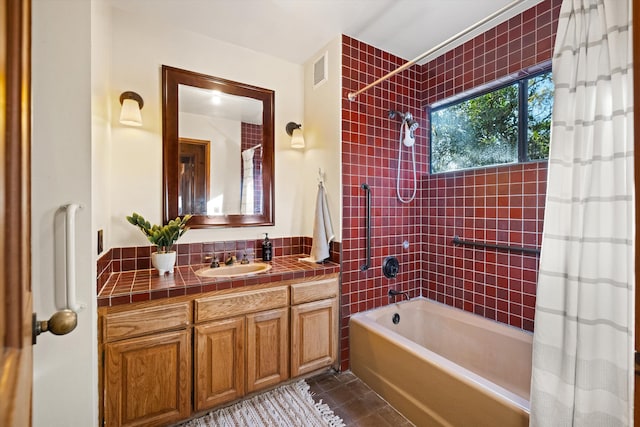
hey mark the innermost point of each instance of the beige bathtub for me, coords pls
(441, 366)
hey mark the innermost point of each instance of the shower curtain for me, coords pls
(583, 339)
(247, 182)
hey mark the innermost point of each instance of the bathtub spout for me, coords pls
(393, 293)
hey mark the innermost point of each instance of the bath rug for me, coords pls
(288, 405)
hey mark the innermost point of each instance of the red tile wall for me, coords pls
(116, 260)
(504, 204)
(500, 205)
(251, 135)
(517, 44)
(370, 143)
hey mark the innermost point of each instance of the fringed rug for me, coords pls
(288, 405)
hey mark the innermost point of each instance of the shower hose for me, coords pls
(413, 164)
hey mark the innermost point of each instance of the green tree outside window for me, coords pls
(488, 129)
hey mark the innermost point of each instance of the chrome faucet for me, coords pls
(230, 260)
(393, 293)
(214, 260)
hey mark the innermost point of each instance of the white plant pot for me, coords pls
(164, 262)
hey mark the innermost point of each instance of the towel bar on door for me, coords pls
(64, 321)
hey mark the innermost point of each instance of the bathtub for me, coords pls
(440, 366)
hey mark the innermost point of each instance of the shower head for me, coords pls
(411, 124)
(407, 117)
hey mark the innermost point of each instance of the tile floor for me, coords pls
(353, 401)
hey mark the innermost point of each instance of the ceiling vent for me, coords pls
(320, 70)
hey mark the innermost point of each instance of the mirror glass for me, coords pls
(217, 150)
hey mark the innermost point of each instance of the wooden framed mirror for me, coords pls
(218, 150)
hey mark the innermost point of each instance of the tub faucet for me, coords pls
(393, 293)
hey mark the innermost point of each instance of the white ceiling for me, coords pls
(294, 30)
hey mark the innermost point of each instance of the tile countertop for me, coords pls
(143, 285)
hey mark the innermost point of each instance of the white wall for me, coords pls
(225, 137)
(139, 49)
(323, 137)
(101, 117)
(65, 389)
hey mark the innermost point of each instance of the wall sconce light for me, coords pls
(294, 130)
(132, 103)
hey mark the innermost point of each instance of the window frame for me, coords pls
(521, 79)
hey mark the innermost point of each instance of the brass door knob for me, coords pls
(61, 323)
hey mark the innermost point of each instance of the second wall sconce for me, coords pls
(294, 130)
(132, 103)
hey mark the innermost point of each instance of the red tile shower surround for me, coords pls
(251, 136)
(517, 44)
(370, 143)
(501, 204)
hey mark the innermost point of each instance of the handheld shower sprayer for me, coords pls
(413, 125)
(408, 139)
(409, 126)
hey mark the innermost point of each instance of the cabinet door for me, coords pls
(147, 380)
(314, 335)
(219, 358)
(267, 348)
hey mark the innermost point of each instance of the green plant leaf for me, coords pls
(163, 236)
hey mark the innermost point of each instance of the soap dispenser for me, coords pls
(266, 248)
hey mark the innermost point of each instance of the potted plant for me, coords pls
(164, 237)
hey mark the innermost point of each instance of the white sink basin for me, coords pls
(235, 270)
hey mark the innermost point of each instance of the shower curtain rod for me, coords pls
(353, 95)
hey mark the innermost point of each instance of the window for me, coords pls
(508, 124)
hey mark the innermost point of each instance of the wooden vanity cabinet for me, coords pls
(147, 366)
(164, 361)
(314, 325)
(243, 354)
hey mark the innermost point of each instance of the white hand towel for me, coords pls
(322, 229)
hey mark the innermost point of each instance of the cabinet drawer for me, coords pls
(237, 303)
(314, 291)
(142, 321)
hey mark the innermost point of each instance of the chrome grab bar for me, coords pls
(456, 241)
(367, 263)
